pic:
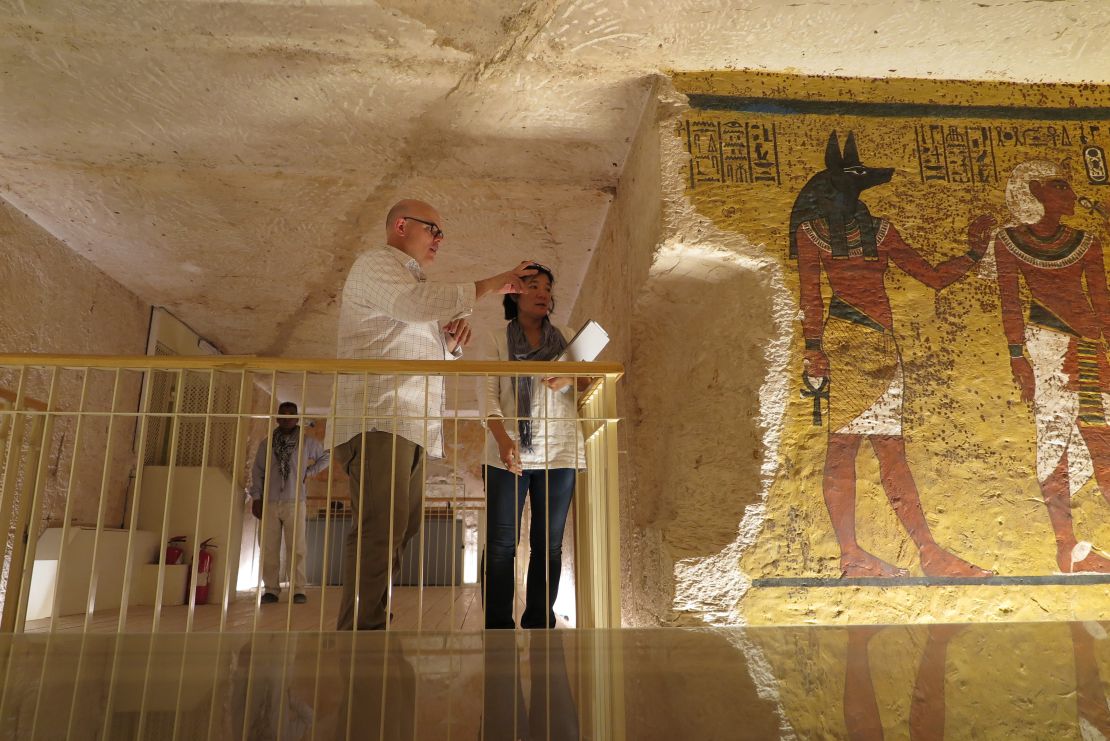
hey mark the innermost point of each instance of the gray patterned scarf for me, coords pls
(552, 344)
(284, 445)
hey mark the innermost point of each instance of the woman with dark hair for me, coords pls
(534, 451)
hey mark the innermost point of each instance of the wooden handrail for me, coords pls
(257, 364)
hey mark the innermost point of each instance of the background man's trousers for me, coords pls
(383, 467)
(283, 519)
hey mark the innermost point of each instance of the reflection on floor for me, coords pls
(440, 609)
(982, 681)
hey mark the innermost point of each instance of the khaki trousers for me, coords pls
(386, 474)
(283, 519)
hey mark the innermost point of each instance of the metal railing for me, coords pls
(105, 459)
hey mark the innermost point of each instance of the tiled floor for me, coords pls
(984, 681)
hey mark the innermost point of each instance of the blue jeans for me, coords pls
(551, 491)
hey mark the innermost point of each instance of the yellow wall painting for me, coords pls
(945, 246)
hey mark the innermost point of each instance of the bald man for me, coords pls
(386, 425)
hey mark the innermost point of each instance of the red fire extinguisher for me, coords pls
(204, 567)
(175, 551)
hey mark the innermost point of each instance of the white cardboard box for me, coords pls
(173, 588)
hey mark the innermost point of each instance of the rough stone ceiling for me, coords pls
(229, 160)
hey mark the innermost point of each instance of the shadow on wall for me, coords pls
(702, 326)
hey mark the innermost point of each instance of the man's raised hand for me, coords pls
(511, 281)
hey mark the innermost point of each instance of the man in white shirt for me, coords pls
(385, 425)
(284, 510)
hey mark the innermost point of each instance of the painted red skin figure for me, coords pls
(860, 283)
(1060, 290)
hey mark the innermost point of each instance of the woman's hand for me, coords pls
(509, 452)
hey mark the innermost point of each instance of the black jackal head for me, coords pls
(833, 195)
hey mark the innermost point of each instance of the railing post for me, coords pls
(7, 488)
(609, 509)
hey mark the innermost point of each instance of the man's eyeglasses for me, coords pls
(432, 227)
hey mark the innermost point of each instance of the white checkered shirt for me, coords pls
(389, 310)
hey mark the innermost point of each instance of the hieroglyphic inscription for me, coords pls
(966, 154)
(1044, 136)
(955, 154)
(732, 152)
(1094, 160)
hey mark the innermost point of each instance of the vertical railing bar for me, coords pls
(94, 581)
(450, 524)
(547, 397)
(385, 690)
(12, 456)
(486, 650)
(300, 487)
(15, 447)
(483, 559)
(91, 603)
(594, 490)
(455, 478)
(54, 606)
(140, 465)
(285, 638)
(250, 671)
(421, 528)
(547, 638)
(518, 516)
(216, 666)
(167, 502)
(16, 444)
(260, 584)
(392, 516)
(361, 504)
(325, 570)
(330, 432)
(517, 699)
(185, 637)
(423, 505)
(616, 706)
(61, 549)
(215, 676)
(236, 494)
(261, 538)
(132, 520)
(357, 601)
(572, 511)
(389, 540)
(194, 567)
(611, 505)
(145, 695)
(50, 637)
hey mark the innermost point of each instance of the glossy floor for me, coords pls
(442, 609)
(997, 681)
